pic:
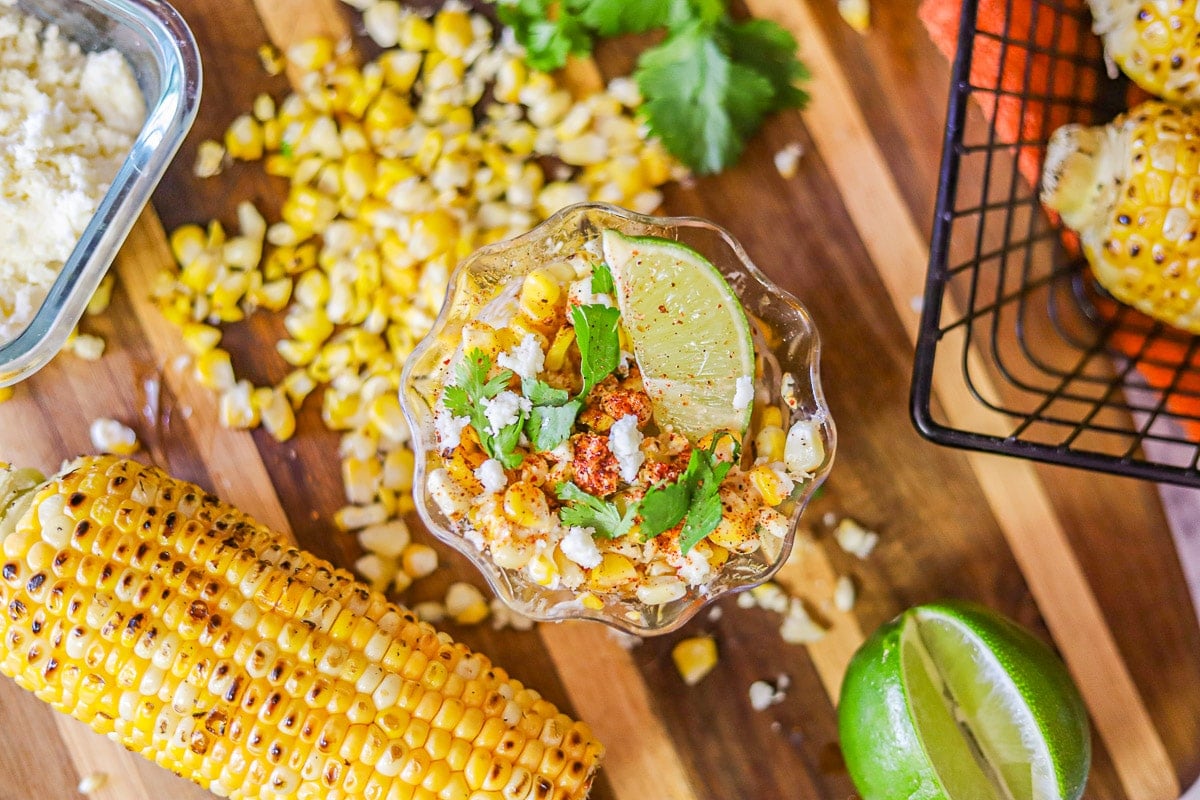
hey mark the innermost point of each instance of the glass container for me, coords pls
(786, 344)
(158, 45)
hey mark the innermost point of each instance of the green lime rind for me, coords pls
(900, 738)
(689, 332)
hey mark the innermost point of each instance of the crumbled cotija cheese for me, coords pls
(67, 121)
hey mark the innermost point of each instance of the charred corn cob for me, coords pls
(178, 626)
(1132, 191)
(1156, 44)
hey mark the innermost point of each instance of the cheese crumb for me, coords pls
(787, 159)
(844, 594)
(854, 538)
(579, 546)
(798, 627)
(764, 694)
(503, 410)
(526, 359)
(625, 441)
(449, 429)
(744, 394)
(491, 474)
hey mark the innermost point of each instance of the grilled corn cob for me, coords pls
(1156, 44)
(1132, 191)
(178, 626)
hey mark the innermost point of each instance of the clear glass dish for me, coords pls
(162, 52)
(786, 342)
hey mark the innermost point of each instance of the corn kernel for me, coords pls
(236, 409)
(102, 296)
(525, 504)
(694, 658)
(419, 560)
(543, 570)
(311, 54)
(614, 570)
(244, 138)
(769, 443)
(6, 393)
(540, 295)
(214, 370)
(416, 34)
(110, 436)
(277, 415)
(856, 13)
(466, 604)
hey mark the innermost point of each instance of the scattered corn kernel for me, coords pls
(102, 296)
(210, 159)
(694, 658)
(419, 560)
(6, 393)
(856, 13)
(466, 604)
(787, 159)
(91, 782)
(110, 436)
(87, 346)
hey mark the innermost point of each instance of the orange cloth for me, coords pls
(1160, 360)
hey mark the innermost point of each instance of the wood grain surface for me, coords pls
(1087, 561)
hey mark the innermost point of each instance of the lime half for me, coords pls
(689, 334)
(951, 701)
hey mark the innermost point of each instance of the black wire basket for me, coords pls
(1060, 372)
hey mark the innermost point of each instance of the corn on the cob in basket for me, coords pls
(1156, 44)
(1132, 190)
(178, 626)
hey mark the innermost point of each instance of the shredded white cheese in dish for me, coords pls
(67, 121)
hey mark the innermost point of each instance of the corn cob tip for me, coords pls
(1078, 176)
(16, 484)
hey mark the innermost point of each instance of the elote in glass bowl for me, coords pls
(539, 466)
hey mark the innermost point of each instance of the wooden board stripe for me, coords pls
(641, 760)
(1018, 498)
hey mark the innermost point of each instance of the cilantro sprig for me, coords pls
(692, 499)
(598, 340)
(707, 85)
(589, 511)
(467, 397)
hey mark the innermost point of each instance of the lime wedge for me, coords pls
(689, 333)
(951, 701)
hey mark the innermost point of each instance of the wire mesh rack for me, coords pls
(1059, 371)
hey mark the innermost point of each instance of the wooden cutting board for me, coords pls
(1085, 560)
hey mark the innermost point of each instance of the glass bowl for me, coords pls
(162, 52)
(786, 343)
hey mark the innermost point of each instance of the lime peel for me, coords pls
(689, 332)
(951, 701)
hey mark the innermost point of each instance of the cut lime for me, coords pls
(689, 333)
(951, 701)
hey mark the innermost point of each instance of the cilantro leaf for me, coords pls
(602, 280)
(588, 511)
(693, 499)
(541, 393)
(549, 31)
(465, 398)
(708, 84)
(701, 104)
(611, 17)
(768, 49)
(549, 426)
(663, 507)
(599, 344)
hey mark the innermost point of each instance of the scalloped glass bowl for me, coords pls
(162, 52)
(786, 342)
